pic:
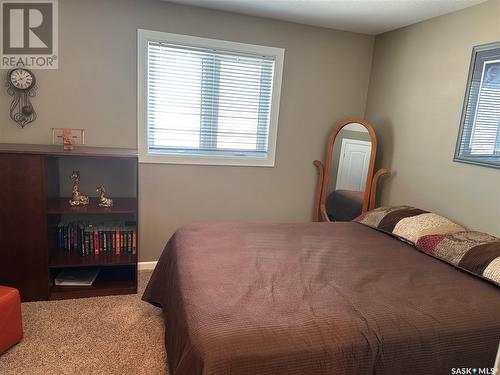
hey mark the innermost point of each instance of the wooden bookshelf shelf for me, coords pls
(70, 258)
(109, 282)
(120, 206)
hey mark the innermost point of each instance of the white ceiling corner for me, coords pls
(362, 16)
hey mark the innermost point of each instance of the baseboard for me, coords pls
(146, 265)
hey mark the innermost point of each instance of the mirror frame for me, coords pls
(322, 188)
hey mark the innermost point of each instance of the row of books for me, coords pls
(94, 239)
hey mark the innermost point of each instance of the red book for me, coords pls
(96, 243)
(117, 244)
(134, 243)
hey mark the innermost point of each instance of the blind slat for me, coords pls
(203, 101)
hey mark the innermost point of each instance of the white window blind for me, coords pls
(485, 137)
(208, 103)
(479, 136)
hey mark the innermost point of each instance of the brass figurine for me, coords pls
(77, 198)
(104, 201)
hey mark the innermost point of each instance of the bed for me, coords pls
(317, 298)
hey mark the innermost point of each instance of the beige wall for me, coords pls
(415, 101)
(325, 79)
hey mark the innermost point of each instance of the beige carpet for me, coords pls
(103, 335)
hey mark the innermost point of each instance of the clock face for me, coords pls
(21, 79)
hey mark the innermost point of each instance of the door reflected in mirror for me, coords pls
(350, 159)
(350, 163)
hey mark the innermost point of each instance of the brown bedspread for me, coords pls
(317, 298)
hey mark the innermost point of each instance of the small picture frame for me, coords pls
(67, 137)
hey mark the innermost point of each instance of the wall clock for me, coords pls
(21, 85)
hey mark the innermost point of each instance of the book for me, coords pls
(134, 243)
(117, 235)
(77, 276)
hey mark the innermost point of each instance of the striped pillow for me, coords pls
(475, 252)
(408, 223)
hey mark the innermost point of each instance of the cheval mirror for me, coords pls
(347, 184)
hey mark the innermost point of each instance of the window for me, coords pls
(479, 137)
(205, 101)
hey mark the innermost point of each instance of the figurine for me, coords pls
(104, 201)
(77, 198)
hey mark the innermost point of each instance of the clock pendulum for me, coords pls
(21, 86)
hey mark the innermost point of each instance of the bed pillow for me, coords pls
(408, 223)
(475, 252)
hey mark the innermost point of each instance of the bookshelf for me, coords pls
(61, 258)
(35, 187)
(120, 206)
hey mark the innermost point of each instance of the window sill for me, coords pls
(478, 161)
(207, 160)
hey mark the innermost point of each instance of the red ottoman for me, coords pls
(11, 328)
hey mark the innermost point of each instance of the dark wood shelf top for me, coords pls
(57, 150)
(120, 206)
(61, 258)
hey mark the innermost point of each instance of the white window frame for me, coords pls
(143, 37)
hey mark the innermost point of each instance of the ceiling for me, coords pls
(362, 16)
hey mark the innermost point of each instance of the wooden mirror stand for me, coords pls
(324, 171)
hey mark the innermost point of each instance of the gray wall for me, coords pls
(415, 101)
(325, 79)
